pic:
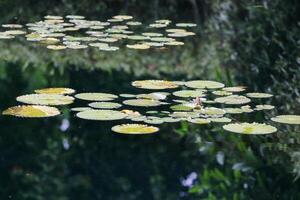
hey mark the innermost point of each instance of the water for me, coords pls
(65, 157)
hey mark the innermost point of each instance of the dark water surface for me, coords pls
(65, 157)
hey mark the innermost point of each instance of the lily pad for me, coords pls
(154, 84)
(181, 107)
(79, 109)
(142, 102)
(134, 129)
(102, 115)
(233, 99)
(189, 93)
(264, 107)
(199, 121)
(220, 120)
(211, 111)
(105, 105)
(138, 46)
(55, 91)
(32, 111)
(203, 84)
(186, 25)
(250, 128)
(96, 96)
(45, 99)
(287, 119)
(258, 95)
(235, 89)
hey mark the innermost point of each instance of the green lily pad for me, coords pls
(203, 84)
(102, 115)
(221, 93)
(234, 110)
(96, 96)
(181, 107)
(234, 89)
(45, 99)
(189, 93)
(250, 128)
(153, 95)
(142, 102)
(264, 107)
(211, 111)
(258, 95)
(199, 121)
(55, 91)
(79, 109)
(32, 111)
(186, 25)
(233, 99)
(287, 119)
(154, 84)
(138, 46)
(134, 129)
(105, 105)
(220, 120)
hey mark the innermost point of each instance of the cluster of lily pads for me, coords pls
(197, 101)
(76, 32)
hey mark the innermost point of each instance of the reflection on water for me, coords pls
(65, 157)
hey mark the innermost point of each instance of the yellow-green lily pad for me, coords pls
(189, 93)
(250, 128)
(233, 99)
(142, 102)
(287, 119)
(204, 84)
(55, 91)
(105, 105)
(32, 111)
(259, 95)
(45, 99)
(154, 84)
(96, 96)
(134, 129)
(102, 115)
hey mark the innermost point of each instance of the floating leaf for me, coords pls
(154, 84)
(45, 99)
(220, 120)
(96, 96)
(138, 46)
(55, 91)
(235, 89)
(189, 93)
(102, 115)
(287, 119)
(233, 99)
(56, 47)
(202, 84)
(264, 107)
(142, 102)
(234, 110)
(79, 109)
(250, 128)
(186, 25)
(211, 111)
(258, 95)
(199, 121)
(221, 93)
(154, 95)
(134, 129)
(105, 105)
(181, 107)
(31, 111)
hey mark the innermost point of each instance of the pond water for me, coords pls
(67, 157)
